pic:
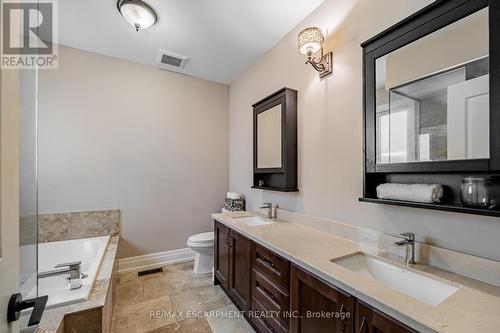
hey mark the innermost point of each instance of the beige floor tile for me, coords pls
(145, 316)
(228, 321)
(129, 292)
(125, 277)
(175, 289)
(199, 280)
(186, 326)
(166, 283)
(199, 299)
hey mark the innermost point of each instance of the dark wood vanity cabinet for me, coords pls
(232, 256)
(317, 306)
(369, 320)
(276, 268)
(270, 290)
(239, 270)
(221, 254)
(278, 297)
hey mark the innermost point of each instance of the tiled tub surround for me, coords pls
(72, 225)
(311, 243)
(95, 314)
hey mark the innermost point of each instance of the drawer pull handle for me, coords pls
(343, 323)
(267, 292)
(267, 262)
(363, 322)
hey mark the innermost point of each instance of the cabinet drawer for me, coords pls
(273, 266)
(271, 296)
(369, 319)
(265, 320)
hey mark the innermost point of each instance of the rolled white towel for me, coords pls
(234, 195)
(427, 193)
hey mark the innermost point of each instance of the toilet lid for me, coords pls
(205, 237)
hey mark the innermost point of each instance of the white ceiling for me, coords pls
(221, 37)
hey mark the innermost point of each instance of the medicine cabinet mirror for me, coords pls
(430, 113)
(275, 142)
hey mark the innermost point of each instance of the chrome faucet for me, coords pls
(409, 242)
(74, 269)
(271, 209)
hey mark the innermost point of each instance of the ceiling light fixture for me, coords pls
(138, 13)
(311, 42)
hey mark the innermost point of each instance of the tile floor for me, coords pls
(174, 300)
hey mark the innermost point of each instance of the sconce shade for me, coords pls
(310, 41)
(137, 13)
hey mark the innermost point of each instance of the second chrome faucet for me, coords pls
(409, 242)
(271, 212)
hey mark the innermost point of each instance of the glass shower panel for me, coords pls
(28, 203)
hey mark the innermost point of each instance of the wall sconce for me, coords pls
(311, 42)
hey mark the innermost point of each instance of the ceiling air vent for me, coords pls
(169, 60)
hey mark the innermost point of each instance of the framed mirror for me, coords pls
(275, 141)
(431, 103)
(428, 104)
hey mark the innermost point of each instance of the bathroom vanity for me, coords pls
(281, 297)
(287, 277)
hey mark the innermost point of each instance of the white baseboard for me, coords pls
(154, 260)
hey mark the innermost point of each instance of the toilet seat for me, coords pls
(205, 238)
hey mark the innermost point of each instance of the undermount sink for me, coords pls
(417, 286)
(253, 221)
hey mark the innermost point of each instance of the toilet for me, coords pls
(203, 245)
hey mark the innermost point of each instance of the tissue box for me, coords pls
(234, 205)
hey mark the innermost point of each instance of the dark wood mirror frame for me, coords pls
(437, 15)
(285, 178)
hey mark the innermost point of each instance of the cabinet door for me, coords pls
(318, 307)
(239, 270)
(221, 254)
(369, 320)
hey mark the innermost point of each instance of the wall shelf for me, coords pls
(435, 206)
(276, 189)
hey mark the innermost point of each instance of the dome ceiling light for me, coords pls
(137, 13)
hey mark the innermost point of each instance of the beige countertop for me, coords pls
(474, 307)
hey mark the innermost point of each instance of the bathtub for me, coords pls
(89, 251)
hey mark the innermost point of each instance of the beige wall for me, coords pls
(114, 134)
(330, 132)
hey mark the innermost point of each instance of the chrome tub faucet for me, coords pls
(409, 242)
(74, 269)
